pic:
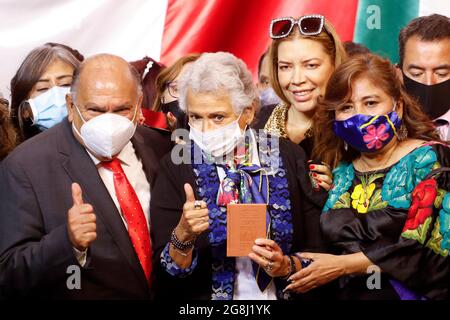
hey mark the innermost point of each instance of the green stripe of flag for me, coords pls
(378, 23)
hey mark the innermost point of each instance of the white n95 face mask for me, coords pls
(107, 134)
(218, 142)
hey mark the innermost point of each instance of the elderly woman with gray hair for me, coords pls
(228, 163)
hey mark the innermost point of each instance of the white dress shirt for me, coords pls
(245, 286)
(443, 126)
(132, 166)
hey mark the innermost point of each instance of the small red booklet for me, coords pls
(245, 223)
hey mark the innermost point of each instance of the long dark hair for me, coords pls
(381, 73)
(7, 133)
(28, 74)
(168, 74)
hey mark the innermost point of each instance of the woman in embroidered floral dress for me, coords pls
(229, 163)
(302, 58)
(389, 210)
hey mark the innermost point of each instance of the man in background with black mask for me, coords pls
(424, 50)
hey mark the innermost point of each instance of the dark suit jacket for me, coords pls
(166, 207)
(35, 195)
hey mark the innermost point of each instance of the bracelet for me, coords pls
(177, 244)
(292, 267)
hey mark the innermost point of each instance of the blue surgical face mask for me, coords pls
(368, 133)
(49, 108)
(268, 97)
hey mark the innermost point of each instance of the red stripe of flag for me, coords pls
(241, 27)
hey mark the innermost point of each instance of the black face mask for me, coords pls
(434, 99)
(174, 108)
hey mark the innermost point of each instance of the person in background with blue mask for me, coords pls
(389, 210)
(267, 95)
(424, 51)
(226, 162)
(39, 88)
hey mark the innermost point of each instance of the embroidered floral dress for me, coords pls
(400, 219)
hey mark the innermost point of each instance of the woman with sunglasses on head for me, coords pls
(166, 99)
(39, 88)
(389, 210)
(303, 54)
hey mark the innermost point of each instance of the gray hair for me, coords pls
(106, 59)
(218, 71)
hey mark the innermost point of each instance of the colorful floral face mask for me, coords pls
(368, 133)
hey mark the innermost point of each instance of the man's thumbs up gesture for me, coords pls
(81, 221)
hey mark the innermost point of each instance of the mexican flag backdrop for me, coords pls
(168, 29)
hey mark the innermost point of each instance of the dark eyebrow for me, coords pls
(64, 76)
(58, 78)
(126, 105)
(413, 66)
(311, 59)
(371, 97)
(218, 113)
(94, 107)
(442, 66)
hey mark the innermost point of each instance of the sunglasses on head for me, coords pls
(310, 25)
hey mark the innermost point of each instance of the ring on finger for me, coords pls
(197, 204)
(269, 266)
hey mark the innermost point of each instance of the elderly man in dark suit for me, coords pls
(74, 201)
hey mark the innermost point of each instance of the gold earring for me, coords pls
(402, 133)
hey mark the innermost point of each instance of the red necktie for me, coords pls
(134, 216)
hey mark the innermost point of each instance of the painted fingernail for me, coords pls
(314, 174)
(311, 167)
(319, 181)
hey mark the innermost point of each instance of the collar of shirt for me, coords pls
(445, 117)
(254, 157)
(124, 156)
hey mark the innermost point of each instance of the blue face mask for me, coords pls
(49, 108)
(368, 133)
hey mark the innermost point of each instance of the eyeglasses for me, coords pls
(172, 88)
(310, 25)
